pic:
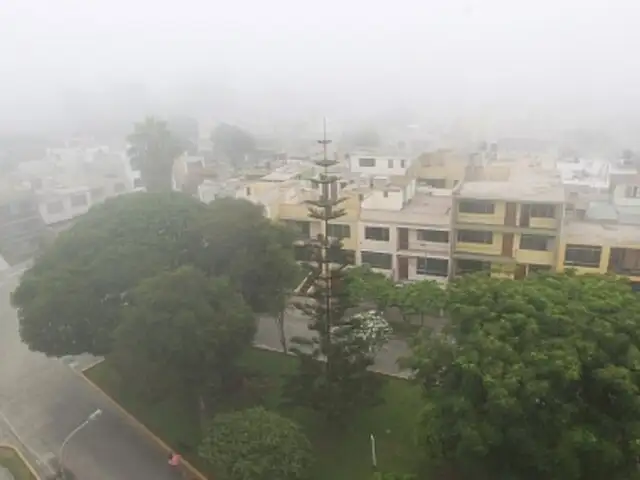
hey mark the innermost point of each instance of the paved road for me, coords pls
(43, 400)
(296, 326)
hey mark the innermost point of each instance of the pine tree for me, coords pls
(332, 376)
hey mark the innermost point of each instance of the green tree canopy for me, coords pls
(254, 252)
(70, 301)
(256, 444)
(182, 330)
(153, 150)
(534, 379)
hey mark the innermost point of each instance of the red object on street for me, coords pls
(175, 459)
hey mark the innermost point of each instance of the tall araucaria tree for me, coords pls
(333, 376)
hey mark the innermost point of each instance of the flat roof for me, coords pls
(527, 185)
(601, 233)
(423, 209)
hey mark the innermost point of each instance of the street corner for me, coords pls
(80, 363)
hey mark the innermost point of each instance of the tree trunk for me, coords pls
(280, 323)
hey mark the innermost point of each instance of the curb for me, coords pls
(134, 421)
(22, 457)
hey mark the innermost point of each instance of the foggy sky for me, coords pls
(491, 61)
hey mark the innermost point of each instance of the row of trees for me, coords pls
(530, 379)
(153, 147)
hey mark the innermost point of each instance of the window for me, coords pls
(632, 192)
(247, 191)
(385, 194)
(471, 266)
(475, 236)
(79, 200)
(402, 163)
(469, 206)
(534, 242)
(137, 183)
(55, 207)
(339, 231)
(341, 257)
(299, 227)
(377, 260)
(367, 162)
(379, 234)
(390, 163)
(543, 211)
(437, 267)
(119, 187)
(433, 182)
(582, 256)
(97, 194)
(436, 236)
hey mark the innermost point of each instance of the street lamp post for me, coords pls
(89, 419)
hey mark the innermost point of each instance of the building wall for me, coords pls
(495, 218)
(436, 249)
(604, 259)
(390, 246)
(494, 248)
(414, 276)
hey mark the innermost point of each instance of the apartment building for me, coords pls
(449, 214)
(509, 226)
(404, 233)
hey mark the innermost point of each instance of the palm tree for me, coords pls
(152, 150)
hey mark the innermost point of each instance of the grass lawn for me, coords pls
(341, 456)
(12, 461)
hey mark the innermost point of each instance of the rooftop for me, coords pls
(601, 233)
(286, 172)
(523, 185)
(423, 209)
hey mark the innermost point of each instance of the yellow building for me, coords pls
(510, 226)
(596, 247)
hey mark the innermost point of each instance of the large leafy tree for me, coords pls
(254, 252)
(534, 379)
(256, 444)
(70, 301)
(184, 331)
(152, 150)
(233, 142)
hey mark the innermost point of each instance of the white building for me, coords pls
(377, 164)
(403, 233)
(69, 181)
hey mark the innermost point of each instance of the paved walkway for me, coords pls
(296, 325)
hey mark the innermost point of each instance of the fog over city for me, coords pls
(511, 67)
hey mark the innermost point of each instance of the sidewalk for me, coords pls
(296, 325)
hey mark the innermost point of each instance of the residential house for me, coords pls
(510, 226)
